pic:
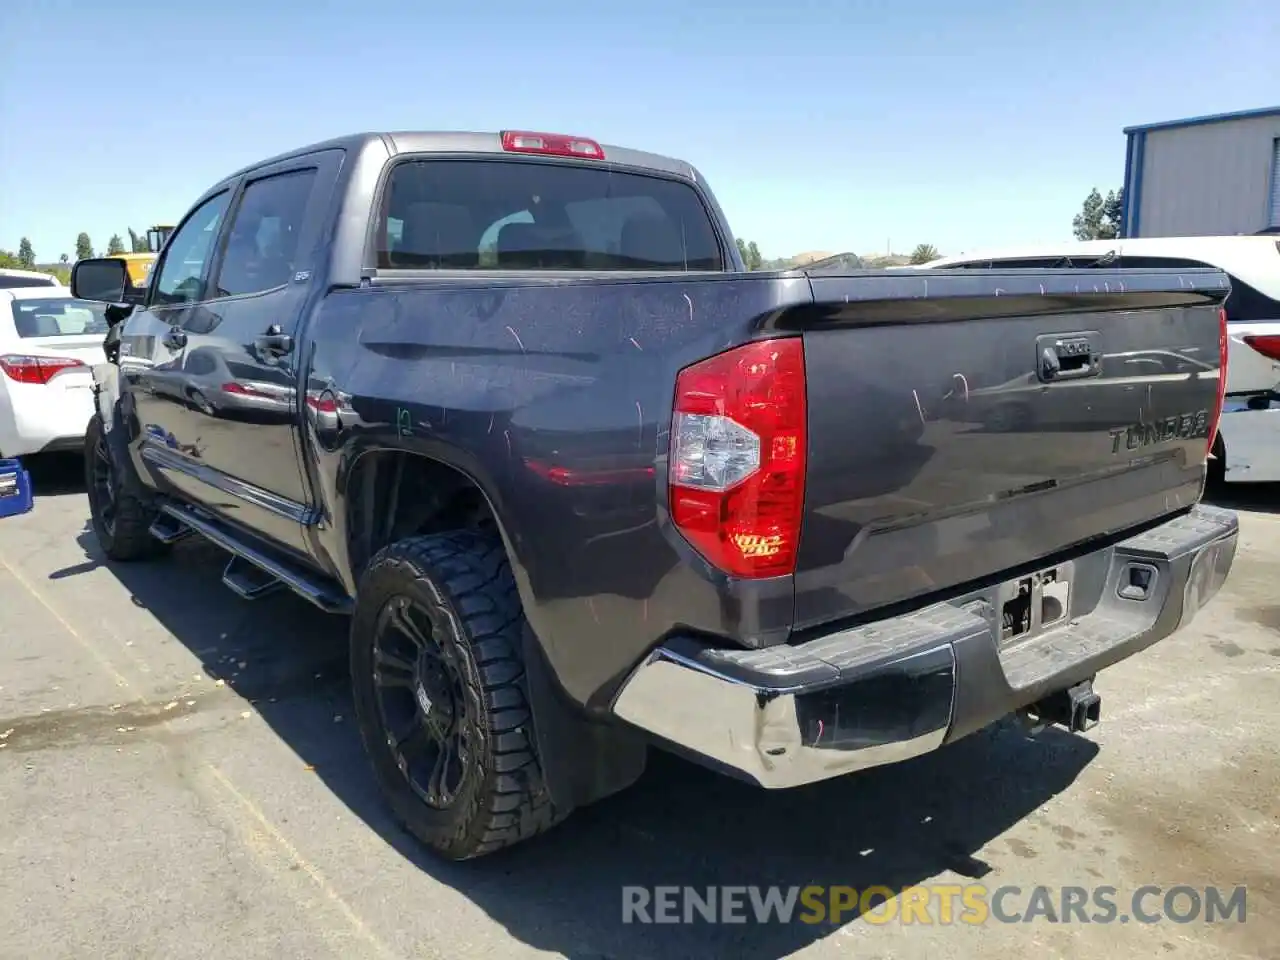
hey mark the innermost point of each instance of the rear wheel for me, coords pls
(120, 507)
(441, 694)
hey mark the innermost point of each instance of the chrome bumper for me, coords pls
(888, 691)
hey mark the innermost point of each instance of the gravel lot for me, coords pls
(181, 777)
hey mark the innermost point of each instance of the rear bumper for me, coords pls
(39, 419)
(897, 688)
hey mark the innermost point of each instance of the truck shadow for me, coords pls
(563, 892)
(1253, 497)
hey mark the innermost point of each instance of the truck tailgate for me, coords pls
(962, 426)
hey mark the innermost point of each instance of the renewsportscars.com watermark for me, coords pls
(932, 904)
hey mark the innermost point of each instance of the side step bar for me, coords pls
(247, 580)
(253, 571)
(169, 529)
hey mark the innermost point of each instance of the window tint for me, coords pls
(1247, 304)
(520, 215)
(182, 275)
(8, 282)
(58, 318)
(263, 242)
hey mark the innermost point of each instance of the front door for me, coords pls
(240, 362)
(152, 341)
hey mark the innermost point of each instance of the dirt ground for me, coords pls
(181, 777)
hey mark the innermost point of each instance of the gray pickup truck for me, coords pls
(585, 486)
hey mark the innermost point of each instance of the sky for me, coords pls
(821, 124)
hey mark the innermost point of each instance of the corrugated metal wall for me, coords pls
(1212, 178)
(1275, 186)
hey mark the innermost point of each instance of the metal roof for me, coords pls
(1207, 118)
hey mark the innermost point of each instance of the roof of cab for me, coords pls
(455, 141)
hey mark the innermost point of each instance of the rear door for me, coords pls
(240, 367)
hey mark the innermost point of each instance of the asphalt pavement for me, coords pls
(180, 776)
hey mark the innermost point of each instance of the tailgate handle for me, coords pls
(1072, 356)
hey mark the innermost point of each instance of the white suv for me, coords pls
(1248, 446)
(49, 342)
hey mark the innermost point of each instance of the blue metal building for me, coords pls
(1212, 175)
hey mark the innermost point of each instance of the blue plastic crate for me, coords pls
(15, 489)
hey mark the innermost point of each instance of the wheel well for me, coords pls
(392, 495)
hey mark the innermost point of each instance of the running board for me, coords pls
(168, 529)
(249, 581)
(255, 569)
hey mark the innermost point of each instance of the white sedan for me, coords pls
(49, 343)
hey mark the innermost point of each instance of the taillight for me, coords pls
(1266, 344)
(551, 144)
(32, 369)
(1216, 416)
(240, 390)
(737, 472)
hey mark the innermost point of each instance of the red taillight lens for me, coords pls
(240, 390)
(323, 404)
(1216, 415)
(31, 369)
(1266, 344)
(737, 474)
(551, 144)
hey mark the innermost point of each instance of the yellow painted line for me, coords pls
(312, 871)
(245, 804)
(88, 645)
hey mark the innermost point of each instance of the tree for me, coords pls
(924, 253)
(64, 259)
(115, 245)
(1099, 218)
(84, 249)
(750, 254)
(138, 241)
(1113, 211)
(9, 260)
(26, 255)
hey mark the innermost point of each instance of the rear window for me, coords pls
(522, 215)
(58, 318)
(12, 282)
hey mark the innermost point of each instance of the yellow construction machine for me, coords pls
(139, 264)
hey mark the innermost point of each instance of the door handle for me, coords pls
(274, 343)
(1073, 356)
(176, 338)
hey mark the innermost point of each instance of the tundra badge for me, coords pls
(1183, 426)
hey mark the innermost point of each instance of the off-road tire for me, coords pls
(466, 578)
(126, 535)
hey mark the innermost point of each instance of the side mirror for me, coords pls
(104, 280)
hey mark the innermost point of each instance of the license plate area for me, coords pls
(1032, 604)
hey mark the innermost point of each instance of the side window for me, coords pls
(182, 274)
(1246, 304)
(262, 246)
